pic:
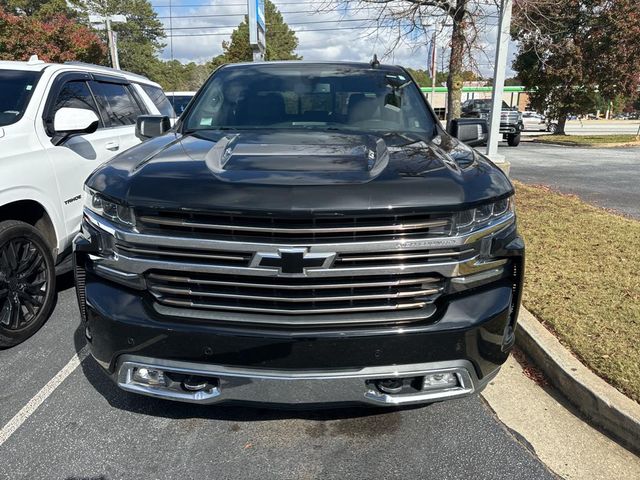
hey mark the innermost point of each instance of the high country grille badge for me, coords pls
(293, 261)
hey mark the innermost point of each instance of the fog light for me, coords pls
(390, 385)
(149, 376)
(195, 384)
(439, 380)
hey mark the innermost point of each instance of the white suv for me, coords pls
(57, 124)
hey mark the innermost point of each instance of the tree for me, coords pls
(574, 53)
(56, 39)
(44, 9)
(281, 40)
(424, 78)
(140, 39)
(411, 18)
(173, 75)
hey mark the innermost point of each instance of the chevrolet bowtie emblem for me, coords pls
(293, 261)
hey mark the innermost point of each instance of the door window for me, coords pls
(75, 95)
(116, 103)
(160, 100)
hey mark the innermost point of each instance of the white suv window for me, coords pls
(76, 94)
(16, 87)
(159, 99)
(116, 104)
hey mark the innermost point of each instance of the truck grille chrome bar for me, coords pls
(293, 296)
(174, 222)
(295, 229)
(343, 260)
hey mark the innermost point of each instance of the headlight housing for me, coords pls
(476, 218)
(108, 209)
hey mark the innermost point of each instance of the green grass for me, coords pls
(587, 140)
(582, 280)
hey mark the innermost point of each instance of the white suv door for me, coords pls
(74, 159)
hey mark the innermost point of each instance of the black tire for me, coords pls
(27, 281)
(552, 128)
(513, 140)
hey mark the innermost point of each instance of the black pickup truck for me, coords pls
(511, 122)
(307, 233)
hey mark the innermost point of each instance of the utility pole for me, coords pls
(113, 46)
(100, 23)
(500, 68)
(434, 66)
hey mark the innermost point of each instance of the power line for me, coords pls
(229, 5)
(289, 23)
(295, 31)
(244, 13)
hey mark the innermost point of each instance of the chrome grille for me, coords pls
(409, 257)
(293, 296)
(308, 229)
(343, 260)
(510, 116)
(216, 257)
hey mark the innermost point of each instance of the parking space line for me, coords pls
(33, 404)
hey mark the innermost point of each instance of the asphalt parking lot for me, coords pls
(88, 429)
(608, 177)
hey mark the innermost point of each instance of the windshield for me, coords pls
(482, 105)
(180, 102)
(310, 96)
(16, 87)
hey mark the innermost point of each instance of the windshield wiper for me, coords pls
(409, 140)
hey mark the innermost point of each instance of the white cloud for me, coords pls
(341, 36)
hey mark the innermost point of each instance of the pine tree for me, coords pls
(281, 40)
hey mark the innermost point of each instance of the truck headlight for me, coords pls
(476, 218)
(108, 209)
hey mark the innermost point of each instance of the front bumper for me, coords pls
(470, 337)
(280, 387)
(473, 338)
(510, 128)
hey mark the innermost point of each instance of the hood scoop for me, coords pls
(299, 158)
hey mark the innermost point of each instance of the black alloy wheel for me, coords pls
(27, 281)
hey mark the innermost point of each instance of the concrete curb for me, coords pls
(603, 405)
(599, 145)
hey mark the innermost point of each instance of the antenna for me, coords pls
(374, 61)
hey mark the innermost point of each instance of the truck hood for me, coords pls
(300, 171)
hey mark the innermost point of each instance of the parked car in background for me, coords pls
(180, 100)
(308, 233)
(58, 122)
(511, 124)
(536, 122)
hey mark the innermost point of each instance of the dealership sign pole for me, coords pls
(257, 29)
(498, 77)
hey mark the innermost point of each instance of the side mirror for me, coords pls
(73, 121)
(151, 126)
(472, 131)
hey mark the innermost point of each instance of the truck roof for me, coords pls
(361, 65)
(36, 65)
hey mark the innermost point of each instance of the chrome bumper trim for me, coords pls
(300, 387)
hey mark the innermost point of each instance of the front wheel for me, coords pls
(513, 140)
(27, 281)
(552, 128)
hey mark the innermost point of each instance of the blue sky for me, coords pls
(200, 26)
